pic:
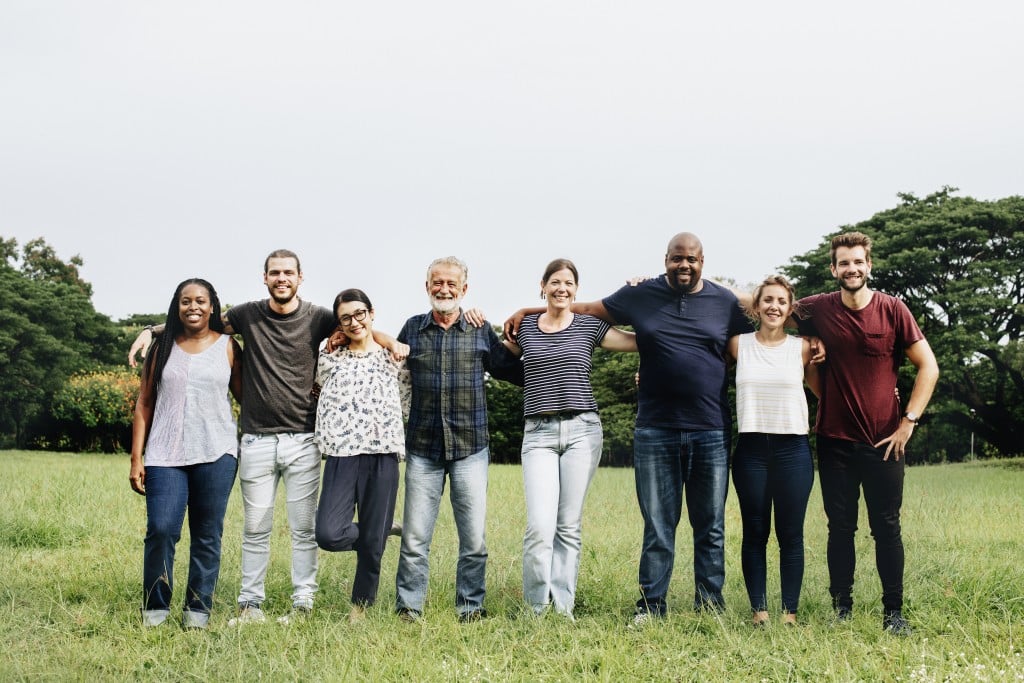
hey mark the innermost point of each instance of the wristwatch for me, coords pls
(913, 418)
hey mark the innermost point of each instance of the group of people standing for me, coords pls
(687, 331)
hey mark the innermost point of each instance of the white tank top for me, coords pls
(770, 387)
(192, 421)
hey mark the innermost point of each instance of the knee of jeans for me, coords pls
(162, 529)
(337, 541)
(258, 521)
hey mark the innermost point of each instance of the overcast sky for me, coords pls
(164, 140)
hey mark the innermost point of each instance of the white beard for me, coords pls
(445, 306)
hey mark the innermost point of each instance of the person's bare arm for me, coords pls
(235, 359)
(511, 326)
(594, 308)
(475, 317)
(921, 355)
(399, 351)
(619, 340)
(732, 347)
(149, 334)
(812, 377)
(141, 422)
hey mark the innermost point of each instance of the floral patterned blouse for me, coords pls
(362, 397)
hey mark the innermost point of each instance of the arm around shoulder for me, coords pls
(235, 361)
(619, 340)
(594, 308)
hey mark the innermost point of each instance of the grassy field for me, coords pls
(71, 545)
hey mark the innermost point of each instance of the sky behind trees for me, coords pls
(164, 140)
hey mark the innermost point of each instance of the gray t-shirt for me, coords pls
(279, 365)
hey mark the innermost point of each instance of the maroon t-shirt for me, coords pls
(864, 351)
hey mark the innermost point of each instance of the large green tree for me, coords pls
(956, 262)
(48, 330)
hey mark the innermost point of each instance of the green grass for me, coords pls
(70, 573)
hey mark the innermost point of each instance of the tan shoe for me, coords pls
(356, 615)
(761, 619)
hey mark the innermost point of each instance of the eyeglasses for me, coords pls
(359, 316)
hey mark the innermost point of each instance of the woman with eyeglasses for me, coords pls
(359, 430)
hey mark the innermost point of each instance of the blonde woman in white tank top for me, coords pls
(772, 466)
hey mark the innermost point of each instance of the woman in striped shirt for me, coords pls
(562, 437)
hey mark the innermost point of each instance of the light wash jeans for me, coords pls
(560, 456)
(264, 460)
(424, 484)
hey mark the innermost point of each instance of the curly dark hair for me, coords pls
(173, 326)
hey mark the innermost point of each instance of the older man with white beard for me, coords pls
(447, 436)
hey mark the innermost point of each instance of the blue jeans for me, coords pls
(203, 490)
(560, 456)
(665, 462)
(773, 471)
(424, 484)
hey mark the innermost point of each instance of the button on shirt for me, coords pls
(448, 416)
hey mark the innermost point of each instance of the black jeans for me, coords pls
(369, 482)
(773, 471)
(844, 467)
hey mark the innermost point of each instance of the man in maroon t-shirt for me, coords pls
(862, 433)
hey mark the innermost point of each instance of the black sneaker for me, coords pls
(844, 615)
(895, 625)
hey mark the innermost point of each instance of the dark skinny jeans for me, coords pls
(773, 471)
(845, 467)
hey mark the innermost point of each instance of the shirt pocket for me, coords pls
(878, 344)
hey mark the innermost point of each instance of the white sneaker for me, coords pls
(248, 615)
(643, 619)
(298, 613)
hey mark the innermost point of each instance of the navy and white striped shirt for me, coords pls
(557, 364)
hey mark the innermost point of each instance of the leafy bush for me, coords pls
(95, 410)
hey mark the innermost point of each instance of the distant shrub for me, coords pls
(94, 411)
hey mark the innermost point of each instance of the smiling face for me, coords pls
(445, 287)
(194, 307)
(684, 262)
(559, 289)
(282, 279)
(773, 306)
(851, 268)
(355, 319)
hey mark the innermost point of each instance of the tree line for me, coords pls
(954, 260)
